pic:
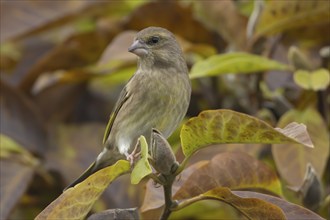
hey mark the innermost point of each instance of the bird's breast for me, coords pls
(157, 100)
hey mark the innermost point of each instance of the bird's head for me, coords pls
(155, 44)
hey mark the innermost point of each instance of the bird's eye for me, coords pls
(153, 40)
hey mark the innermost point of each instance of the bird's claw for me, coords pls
(131, 157)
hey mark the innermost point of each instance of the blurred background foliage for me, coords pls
(63, 64)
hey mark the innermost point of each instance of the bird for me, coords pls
(157, 96)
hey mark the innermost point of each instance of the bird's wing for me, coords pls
(124, 95)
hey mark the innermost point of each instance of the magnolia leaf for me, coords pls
(291, 211)
(76, 202)
(316, 80)
(142, 167)
(14, 181)
(226, 126)
(8, 146)
(251, 208)
(297, 131)
(234, 63)
(128, 214)
(21, 120)
(205, 209)
(279, 16)
(298, 59)
(291, 160)
(154, 196)
(49, 79)
(235, 170)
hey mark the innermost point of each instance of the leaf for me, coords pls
(291, 211)
(226, 126)
(173, 16)
(9, 146)
(10, 149)
(297, 132)
(23, 19)
(280, 16)
(114, 59)
(235, 170)
(154, 196)
(205, 209)
(66, 57)
(76, 202)
(298, 59)
(128, 214)
(14, 181)
(234, 63)
(20, 120)
(74, 148)
(142, 167)
(315, 80)
(290, 159)
(252, 208)
(232, 26)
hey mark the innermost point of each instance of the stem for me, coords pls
(168, 197)
(181, 166)
(187, 202)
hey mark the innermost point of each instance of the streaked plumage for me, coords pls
(157, 96)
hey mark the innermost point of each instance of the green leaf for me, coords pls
(142, 167)
(234, 63)
(251, 208)
(9, 147)
(226, 126)
(76, 202)
(291, 160)
(315, 80)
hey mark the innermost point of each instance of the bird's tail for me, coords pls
(90, 170)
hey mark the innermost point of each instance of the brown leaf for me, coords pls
(291, 159)
(297, 131)
(15, 178)
(117, 49)
(280, 16)
(234, 170)
(172, 16)
(252, 208)
(129, 214)
(291, 211)
(23, 19)
(74, 148)
(20, 120)
(154, 197)
(65, 101)
(76, 51)
(233, 24)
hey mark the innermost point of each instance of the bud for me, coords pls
(162, 156)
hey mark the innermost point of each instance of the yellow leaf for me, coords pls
(316, 80)
(76, 202)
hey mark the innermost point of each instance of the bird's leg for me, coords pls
(130, 157)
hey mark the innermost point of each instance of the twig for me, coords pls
(169, 204)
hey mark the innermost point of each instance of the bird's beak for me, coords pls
(138, 48)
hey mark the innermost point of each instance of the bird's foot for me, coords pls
(132, 156)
